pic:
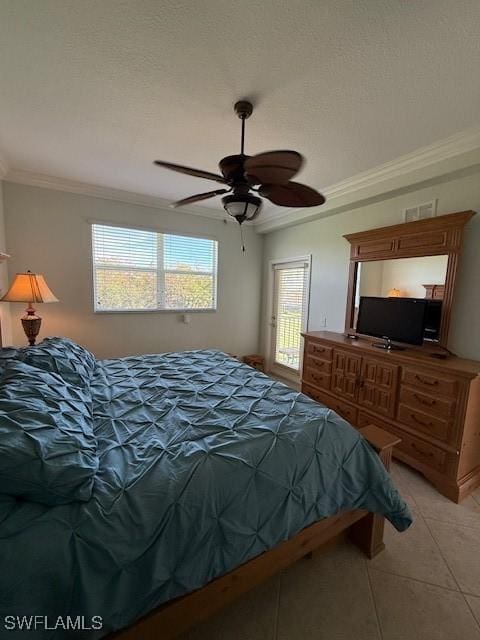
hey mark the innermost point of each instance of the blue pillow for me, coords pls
(48, 450)
(62, 356)
(7, 354)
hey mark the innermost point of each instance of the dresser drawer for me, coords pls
(430, 382)
(343, 409)
(318, 378)
(364, 420)
(316, 394)
(424, 452)
(324, 366)
(415, 448)
(434, 426)
(319, 351)
(442, 407)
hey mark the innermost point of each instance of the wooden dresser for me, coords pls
(432, 405)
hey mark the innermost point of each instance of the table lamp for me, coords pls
(30, 287)
(394, 293)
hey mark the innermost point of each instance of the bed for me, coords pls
(193, 464)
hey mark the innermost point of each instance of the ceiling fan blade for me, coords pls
(292, 194)
(191, 172)
(272, 167)
(199, 196)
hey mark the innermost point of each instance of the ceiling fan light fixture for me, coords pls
(242, 207)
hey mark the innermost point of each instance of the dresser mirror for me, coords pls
(419, 278)
(416, 263)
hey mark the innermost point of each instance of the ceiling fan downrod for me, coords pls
(244, 110)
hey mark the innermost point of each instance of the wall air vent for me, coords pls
(420, 211)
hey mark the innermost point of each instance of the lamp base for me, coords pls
(31, 324)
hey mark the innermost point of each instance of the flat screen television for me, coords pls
(396, 319)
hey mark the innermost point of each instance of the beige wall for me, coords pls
(408, 275)
(5, 328)
(370, 275)
(330, 256)
(49, 232)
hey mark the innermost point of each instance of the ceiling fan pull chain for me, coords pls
(241, 238)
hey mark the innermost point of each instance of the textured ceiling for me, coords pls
(95, 90)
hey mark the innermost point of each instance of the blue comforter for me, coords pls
(204, 464)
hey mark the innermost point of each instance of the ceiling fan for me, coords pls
(268, 174)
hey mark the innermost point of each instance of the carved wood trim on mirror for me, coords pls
(441, 235)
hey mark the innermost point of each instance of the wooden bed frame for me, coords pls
(364, 529)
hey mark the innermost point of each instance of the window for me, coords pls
(137, 270)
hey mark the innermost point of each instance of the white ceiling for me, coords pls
(95, 90)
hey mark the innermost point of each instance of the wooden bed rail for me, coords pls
(364, 528)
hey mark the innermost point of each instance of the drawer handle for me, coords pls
(317, 377)
(428, 454)
(418, 421)
(425, 401)
(432, 383)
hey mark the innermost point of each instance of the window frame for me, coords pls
(107, 223)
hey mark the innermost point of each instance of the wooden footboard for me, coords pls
(364, 528)
(368, 532)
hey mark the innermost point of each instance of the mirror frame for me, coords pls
(441, 235)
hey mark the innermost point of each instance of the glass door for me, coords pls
(289, 315)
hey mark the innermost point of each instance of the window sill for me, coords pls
(118, 311)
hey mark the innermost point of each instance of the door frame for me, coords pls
(285, 372)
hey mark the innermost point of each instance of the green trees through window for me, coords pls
(138, 270)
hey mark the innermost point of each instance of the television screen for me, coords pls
(400, 319)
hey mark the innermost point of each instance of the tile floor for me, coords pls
(424, 586)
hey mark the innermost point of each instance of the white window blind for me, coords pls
(137, 270)
(291, 287)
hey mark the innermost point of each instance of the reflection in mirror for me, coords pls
(422, 277)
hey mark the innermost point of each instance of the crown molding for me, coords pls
(446, 156)
(44, 181)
